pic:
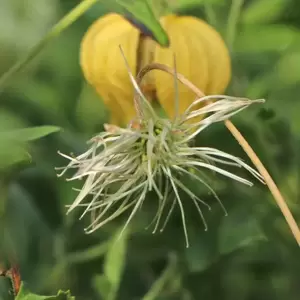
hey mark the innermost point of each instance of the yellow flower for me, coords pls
(201, 56)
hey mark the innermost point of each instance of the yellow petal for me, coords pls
(116, 114)
(104, 67)
(191, 61)
(87, 44)
(219, 69)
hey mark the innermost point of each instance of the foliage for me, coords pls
(26, 295)
(248, 254)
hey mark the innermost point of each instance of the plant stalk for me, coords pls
(232, 21)
(160, 283)
(268, 179)
(63, 24)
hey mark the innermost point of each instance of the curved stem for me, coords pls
(268, 179)
(160, 283)
(243, 143)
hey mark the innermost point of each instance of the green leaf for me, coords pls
(115, 262)
(24, 294)
(271, 38)
(239, 229)
(102, 286)
(28, 134)
(12, 154)
(140, 13)
(263, 11)
(61, 295)
(13, 150)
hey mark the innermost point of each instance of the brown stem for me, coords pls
(243, 143)
(268, 179)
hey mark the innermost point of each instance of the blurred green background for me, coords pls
(250, 254)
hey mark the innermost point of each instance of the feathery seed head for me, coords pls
(123, 164)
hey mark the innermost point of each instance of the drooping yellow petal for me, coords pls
(104, 66)
(87, 44)
(219, 69)
(191, 61)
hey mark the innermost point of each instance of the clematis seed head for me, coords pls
(152, 153)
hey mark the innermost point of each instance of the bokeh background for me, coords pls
(250, 254)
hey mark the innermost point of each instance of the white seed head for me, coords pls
(123, 164)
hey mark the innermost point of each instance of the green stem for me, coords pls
(71, 259)
(63, 24)
(88, 254)
(210, 14)
(233, 18)
(160, 283)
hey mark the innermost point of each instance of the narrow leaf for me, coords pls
(115, 262)
(141, 15)
(12, 154)
(28, 134)
(102, 286)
